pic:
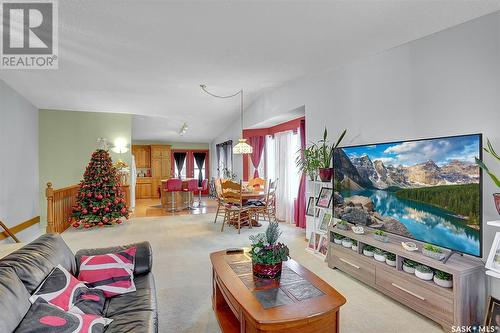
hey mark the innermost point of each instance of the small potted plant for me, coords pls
(489, 149)
(390, 259)
(337, 238)
(409, 266)
(325, 154)
(267, 253)
(443, 279)
(354, 246)
(346, 242)
(342, 225)
(424, 272)
(379, 255)
(368, 250)
(433, 252)
(381, 236)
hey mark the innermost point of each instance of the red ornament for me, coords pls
(76, 225)
(118, 221)
(86, 226)
(123, 210)
(84, 211)
(89, 195)
(106, 209)
(100, 224)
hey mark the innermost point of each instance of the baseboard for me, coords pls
(20, 227)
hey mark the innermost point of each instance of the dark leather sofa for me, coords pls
(23, 270)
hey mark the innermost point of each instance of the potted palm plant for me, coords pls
(267, 253)
(489, 149)
(307, 161)
(325, 154)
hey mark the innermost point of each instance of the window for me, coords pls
(224, 157)
(183, 172)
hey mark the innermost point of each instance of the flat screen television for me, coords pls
(429, 190)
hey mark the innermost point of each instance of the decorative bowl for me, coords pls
(409, 246)
(358, 230)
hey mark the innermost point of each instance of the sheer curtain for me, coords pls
(286, 145)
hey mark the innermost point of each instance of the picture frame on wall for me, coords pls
(324, 221)
(323, 245)
(312, 243)
(310, 207)
(493, 262)
(325, 197)
(492, 318)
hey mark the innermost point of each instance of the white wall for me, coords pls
(444, 84)
(19, 162)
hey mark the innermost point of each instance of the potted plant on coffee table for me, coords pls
(267, 253)
(489, 149)
(433, 252)
(409, 266)
(381, 236)
(325, 154)
(424, 272)
(379, 255)
(443, 279)
(390, 259)
(368, 250)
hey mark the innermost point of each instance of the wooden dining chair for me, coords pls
(220, 200)
(235, 211)
(268, 207)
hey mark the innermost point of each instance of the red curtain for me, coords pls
(257, 143)
(300, 203)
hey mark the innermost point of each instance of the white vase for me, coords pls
(408, 269)
(346, 243)
(379, 257)
(368, 253)
(354, 248)
(390, 262)
(443, 283)
(424, 275)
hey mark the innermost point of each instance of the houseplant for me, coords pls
(433, 252)
(489, 149)
(307, 161)
(337, 238)
(325, 155)
(390, 259)
(381, 236)
(342, 225)
(368, 250)
(443, 279)
(409, 266)
(379, 255)
(424, 272)
(346, 242)
(267, 253)
(354, 246)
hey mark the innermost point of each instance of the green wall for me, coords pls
(175, 145)
(66, 141)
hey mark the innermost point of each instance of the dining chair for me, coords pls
(173, 185)
(267, 208)
(220, 199)
(235, 211)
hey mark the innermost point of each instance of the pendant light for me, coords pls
(242, 147)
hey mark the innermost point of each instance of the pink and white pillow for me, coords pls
(43, 317)
(113, 273)
(63, 290)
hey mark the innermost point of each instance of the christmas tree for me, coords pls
(100, 199)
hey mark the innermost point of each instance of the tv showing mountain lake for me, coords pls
(428, 190)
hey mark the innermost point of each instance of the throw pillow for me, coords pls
(113, 273)
(43, 317)
(63, 290)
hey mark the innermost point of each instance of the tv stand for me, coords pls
(450, 254)
(461, 305)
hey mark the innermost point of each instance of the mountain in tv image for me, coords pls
(428, 190)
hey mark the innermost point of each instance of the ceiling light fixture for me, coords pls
(242, 147)
(183, 130)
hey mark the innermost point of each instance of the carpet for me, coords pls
(181, 264)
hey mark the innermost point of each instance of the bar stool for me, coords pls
(192, 186)
(203, 187)
(173, 185)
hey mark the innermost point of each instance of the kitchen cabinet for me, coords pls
(143, 188)
(158, 159)
(142, 156)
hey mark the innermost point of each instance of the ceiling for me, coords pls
(149, 57)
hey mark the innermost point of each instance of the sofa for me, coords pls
(22, 271)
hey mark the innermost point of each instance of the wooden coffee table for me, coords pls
(299, 302)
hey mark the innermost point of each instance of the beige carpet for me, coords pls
(182, 271)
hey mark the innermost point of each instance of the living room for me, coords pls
(181, 120)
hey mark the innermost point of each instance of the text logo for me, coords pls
(29, 34)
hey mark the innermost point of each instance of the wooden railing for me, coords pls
(60, 204)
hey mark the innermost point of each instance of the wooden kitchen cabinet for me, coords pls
(143, 188)
(159, 160)
(142, 156)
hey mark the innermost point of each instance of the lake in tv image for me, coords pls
(428, 190)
